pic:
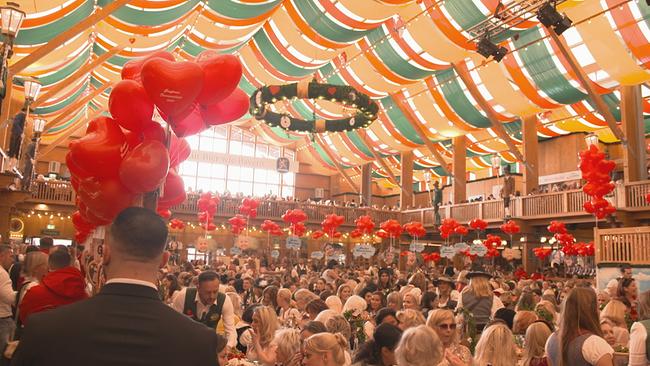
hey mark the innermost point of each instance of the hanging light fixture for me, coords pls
(548, 15)
(496, 161)
(32, 88)
(12, 19)
(591, 139)
(39, 126)
(486, 49)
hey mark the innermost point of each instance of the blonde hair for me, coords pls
(236, 303)
(496, 347)
(480, 286)
(536, 336)
(419, 346)
(338, 324)
(615, 312)
(340, 289)
(285, 294)
(644, 305)
(33, 260)
(410, 318)
(268, 323)
(414, 295)
(436, 317)
(288, 341)
(394, 298)
(327, 342)
(522, 320)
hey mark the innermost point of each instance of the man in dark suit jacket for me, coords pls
(126, 323)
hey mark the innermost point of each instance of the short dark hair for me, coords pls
(315, 327)
(59, 259)
(383, 313)
(31, 248)
(4, 248)
(316, 306)
(247, 315)
(625, 266)
(139, 233)
(221, 343)
(46, 242)
(208, 276)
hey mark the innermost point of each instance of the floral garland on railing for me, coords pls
(265, 96)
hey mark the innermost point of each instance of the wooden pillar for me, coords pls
(459, 168)
(366, 184)
(406, 194)
(529, 132)
(634, 157)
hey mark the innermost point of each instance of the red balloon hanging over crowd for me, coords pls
(128, 154)
(596, 172)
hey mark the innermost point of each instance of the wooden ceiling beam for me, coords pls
(338, 167)
(382, 161)
(588, 85)
(497, 127)
(76, 75)
(60, 39)
(75, 107)
(80, 124)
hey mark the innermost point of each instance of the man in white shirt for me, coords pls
(7, 295)
(206, 305)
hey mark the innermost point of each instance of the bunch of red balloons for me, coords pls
(299, 228)
(317, 234)
(510, 227)
(237, 224)
(585, 249)
(448, 227)
(190, 95)
(415, 229)
(596, 171)
(356, 233)
(542, 253)
(468, 254)
(520, 274)
(382, 234)
(294, 216)
(432, 257)
(364, 224)
(392, 227)
(557, 227)
(248, 207)
(207, 205)
(331, 223)
(461, 230)
(176, 224)
(647, 197)
(478, 224)
(272, 228)
(83, 228)
(491, 243)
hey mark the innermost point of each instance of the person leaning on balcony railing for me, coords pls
(507, 190)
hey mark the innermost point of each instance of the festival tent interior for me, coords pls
(367, 102)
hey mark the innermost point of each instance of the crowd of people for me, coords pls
(151, 312)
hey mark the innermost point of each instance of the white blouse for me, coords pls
(638, 337)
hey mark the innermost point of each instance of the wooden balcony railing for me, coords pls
(635, 195)
(623, 245)
(550, 205)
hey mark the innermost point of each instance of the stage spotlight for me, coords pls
(547, 15)
(486, 49)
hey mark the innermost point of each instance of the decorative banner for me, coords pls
(317, 254)
(416, 247)
(511, 254)
(363, 250)
(478, 249)
(202, 244)
(461, 247)
(240, 160)
(293, 242)
(448, 252)
(337, 257)
(275, 253)
(235, 251)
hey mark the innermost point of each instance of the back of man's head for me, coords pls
(46, 242)
(138, 234)
(59, 259)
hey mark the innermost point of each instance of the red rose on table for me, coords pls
(189, 313)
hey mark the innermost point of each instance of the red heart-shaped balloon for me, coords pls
(331, 90)
(172, 86)
(145, 167)
(228, 110)
(174, 191)
(104, 198)
(130, 105)
(75, 170)
(190, 124)
(99, 153)
(221, 75)
(132, 139)
(274, 89)
(179, 151)
(131, 70)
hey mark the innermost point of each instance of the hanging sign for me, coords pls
(317, 254)
(235, 251)
(461, 247)
(416, 247)
(478, 249)
(293, 242)
(447, 252)
(363, 250)
(275, 253)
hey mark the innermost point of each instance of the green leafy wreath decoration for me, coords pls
(263, 97)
